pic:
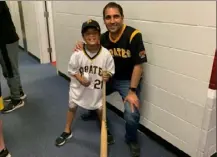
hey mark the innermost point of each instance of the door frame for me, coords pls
(50, 30)
(42, 32)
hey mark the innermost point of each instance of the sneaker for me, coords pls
(13, 105)
(134, 149)
(22, 97)
(5, 153)
(90, 115)
(63, 138)
(110, 138)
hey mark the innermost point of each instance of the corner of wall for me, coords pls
(208, 129)
(207, 142)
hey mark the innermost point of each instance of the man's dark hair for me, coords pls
(113, 5)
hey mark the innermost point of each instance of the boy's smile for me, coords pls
(91, 36)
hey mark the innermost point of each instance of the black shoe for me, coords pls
(5, 153)
(13, 105)
(63, 138)
(22, 97)
(90, 115)
(134, 149)
(110, 138)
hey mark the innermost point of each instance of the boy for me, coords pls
(88, 69)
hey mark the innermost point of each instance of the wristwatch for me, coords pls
(133, 89)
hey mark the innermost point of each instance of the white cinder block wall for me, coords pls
(180, 40)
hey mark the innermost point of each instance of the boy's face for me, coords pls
(91, 36)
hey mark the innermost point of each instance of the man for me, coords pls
(126, 45)
(9, 56)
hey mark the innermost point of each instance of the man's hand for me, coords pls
(78, 46)
(133, 100)
(105, 76)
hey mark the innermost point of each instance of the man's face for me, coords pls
(113, 20)
(91, 36)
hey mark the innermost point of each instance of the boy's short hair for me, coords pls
(90, 24)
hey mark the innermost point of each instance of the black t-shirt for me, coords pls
(8, 33)
(127, 50)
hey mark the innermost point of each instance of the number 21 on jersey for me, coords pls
(98, 84)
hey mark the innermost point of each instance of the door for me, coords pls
(36, 30)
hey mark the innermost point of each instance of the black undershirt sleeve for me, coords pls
(138, 49)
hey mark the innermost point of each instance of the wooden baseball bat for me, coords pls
(104, 144)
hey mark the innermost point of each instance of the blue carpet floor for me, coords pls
(31, 131)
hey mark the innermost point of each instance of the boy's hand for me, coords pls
(81, 78)
(84, 82)
(106, 76)
(78, 46)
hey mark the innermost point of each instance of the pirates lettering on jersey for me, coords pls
(120, 52)
(92, 69)
(127, 50)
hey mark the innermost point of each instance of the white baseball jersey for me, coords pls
(92, 63)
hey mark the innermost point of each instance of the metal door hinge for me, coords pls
(46, 14)
(49, 50)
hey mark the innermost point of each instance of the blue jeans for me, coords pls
(9, 57)
(131, 118)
